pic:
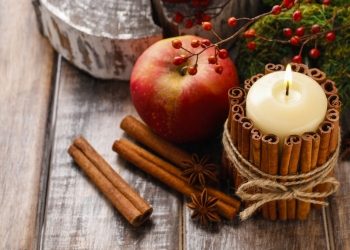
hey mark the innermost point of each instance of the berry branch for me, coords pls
(299, 39)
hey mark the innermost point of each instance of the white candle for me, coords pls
(274, 112)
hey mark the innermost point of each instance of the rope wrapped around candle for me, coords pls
(296, 188)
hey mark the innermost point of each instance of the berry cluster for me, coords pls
(299, 37)
(201, 14)
(205, 44)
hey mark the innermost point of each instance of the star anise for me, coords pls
(199, 170)
(204, 207)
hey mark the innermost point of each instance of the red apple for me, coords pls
(181, 108)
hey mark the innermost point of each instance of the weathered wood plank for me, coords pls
(339, 202)
(78, 215)
(103, 38)
(25, 68)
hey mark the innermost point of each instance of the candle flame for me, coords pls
(288, 78)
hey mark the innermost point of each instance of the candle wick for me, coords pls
(287, 88)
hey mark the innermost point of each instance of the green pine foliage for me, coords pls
(333, 58)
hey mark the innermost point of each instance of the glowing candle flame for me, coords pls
(288, 78)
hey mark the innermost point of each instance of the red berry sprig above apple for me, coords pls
(202, 13)
(299, 37)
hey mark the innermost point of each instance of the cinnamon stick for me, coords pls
(176, 172)
(333, 102)
(269, 164)
(236, 95)
(300, 68)
(122, 196)
(325, 131)
(247, 85)
(289, 165)
(227, 170)
(316, 74)
(255, 153)
(270, 67)
(329, 88)
(146, 136)
(307, 148)
(171, 180)
(332, 116)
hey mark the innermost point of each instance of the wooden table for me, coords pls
(47, 201)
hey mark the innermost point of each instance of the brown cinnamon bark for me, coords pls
(306, 164)
(177, 172)
(316, 74)
(246, 126)
(300, 68)
(325, 131)
(333, 102)
(289, 165)
(247, 85)
(270, 67)
(146, 136)
(227, 168)
(149, 167)
(122, 196)
(236, 95)
(269, 164)
(332, 116)
(329, 88)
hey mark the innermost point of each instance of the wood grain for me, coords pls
(339, 202)
(78, 215)
(25, 68)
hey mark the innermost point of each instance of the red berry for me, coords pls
(184, 58)
(288, 3)
(232, 21)
(195, 43)
(276, 10)
(294, 40)
(195, 3)
(177, 44)
(315, 28)
(223, 54)
(330, 36)
(199, 20)
(249, 33)
(192, 70)
(206, 17)
(206, 26)
(297, 15)
(189, 24)
(314, 53)
(297, 59)
(178, 60)
(327, 2)
(205, 3)
(218, 69)
(205, 43)
(178, 17)
(287, 32)
(300, 31)
(212, 59)
(251, 45)
(308, 1)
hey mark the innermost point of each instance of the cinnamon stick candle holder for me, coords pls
(281, 182)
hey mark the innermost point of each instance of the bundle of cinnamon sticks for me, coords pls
(300, 153)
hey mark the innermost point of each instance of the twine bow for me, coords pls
(274, 190)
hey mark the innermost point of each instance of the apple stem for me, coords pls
(183, 71)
